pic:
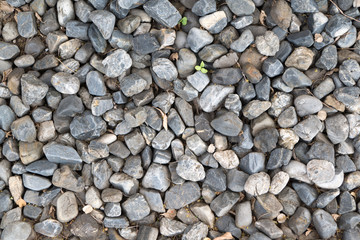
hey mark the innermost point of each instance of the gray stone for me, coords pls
(324, 223)
(223, 203)
(8, 51)
(210, 103)
(23, 129)
(227, 124)
(306, 193)
(255, 108)
(104, 21)
(65, 83)
(116, 63)
(42, 167)
(145, 43)
(308, 128)
(118, 222)
(164, 69)
(125, 183)
(253, 162)
(101, 172)
(154, 200)
(337, 128)
(6, 118)
(197, 39)
(65, 11)
(214, 22)
(58, 153)
(240, 8)
(268, 227)
(300, 221)
(294, 78)
(190, 169)
(338, 25)
(306, 105)
(33, 90)
(325, 198)
(163, 12)
(170, 228)
(97, 40)
(136, 207)
(66, 207)
(64, 177)
(26, 23)
(304, 6)
(211, 52)
(87, 126)
(204, 7)
(18, 230)
(35, 183)
(179, 196)
(349, 72)
(268, 44)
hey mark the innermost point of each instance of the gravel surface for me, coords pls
(184, 119)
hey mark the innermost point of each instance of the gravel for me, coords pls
(135, 119)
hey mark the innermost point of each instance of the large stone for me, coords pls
(116, 63)
(66, 207)
(179, 196)
(33, 90)
(163, 12)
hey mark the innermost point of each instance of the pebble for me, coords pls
(65, 83)
(163, 12)
(197, 39)
(116, 63)
(267, 44)
(324, 223)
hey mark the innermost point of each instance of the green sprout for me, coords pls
(201, 67)
(183, 21)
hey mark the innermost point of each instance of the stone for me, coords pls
(197, 39)
(104, 21)
(8, 51)
(255, 108)
(337, 25)
(320, 171)
(164, 69)
(223, 203)
(204, 7)
(214, 22)
(324, 223)
(294, 78)
(33, 90)
(64, 177)
(23, 129)
(267, 44)
(245, 39)
(58, 153)
(136, 207)
(240, 8)
(227, 159)
(190, 169)
(281, 14)
(300, 221)
(35, 183)
(227, 124)
(211, 52)
(279, 182)
(337, 128)
(257, 184)
(304, 6)
(26, 23)
(308, 128)
(269, 228)
(65, 11)
(18, 230)
(145, 43)
(42, 167)
(306, 193)
(157, 10)
(87, 126)
(253, 162)
(179, 196)
(65, 83)
(49, 228)
(116, 63)
(242, 22)
(278, 157)
(7, 118)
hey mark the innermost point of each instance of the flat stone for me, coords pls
(223, 203)
(324, 223)
(163, 12)
(35, 183)
(227, 124)
(240, 8)
(26, 23)
(59, 153)
(320, 171)
(179, 196)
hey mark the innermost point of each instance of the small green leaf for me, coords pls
(203, 70)
(202, 64)
(198, 68)
(184, 21)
